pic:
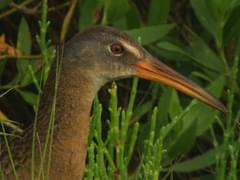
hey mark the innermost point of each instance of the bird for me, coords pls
(92, 58)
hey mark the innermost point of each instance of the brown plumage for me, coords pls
(90, 59)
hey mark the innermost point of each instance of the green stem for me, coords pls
(9, 151)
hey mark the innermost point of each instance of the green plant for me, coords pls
(169, 134)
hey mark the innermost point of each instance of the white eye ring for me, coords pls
(116, 49)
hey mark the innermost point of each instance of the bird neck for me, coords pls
(71, 124)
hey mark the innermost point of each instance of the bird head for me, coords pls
(114, 55)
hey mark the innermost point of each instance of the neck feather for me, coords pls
(74, 96)
(71, 128)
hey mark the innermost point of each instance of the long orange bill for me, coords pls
(152, 69)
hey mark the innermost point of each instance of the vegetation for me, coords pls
(139, 129)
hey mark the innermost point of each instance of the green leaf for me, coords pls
(133, 17)
(174, 50)
(115, 10)
(169, 46)
(158, 11)
(88, 13)
(198, 52)
(235, 3)
(206, 117)
(204, 55)
(202, 113)
(29, 97)
(206, 159)
(143, 109)
(24, 37)
(206, 17)
(175, 105)
(184, 141)
(150, 34)
(231, 30)
(221, 8)
(24, 45)
(198, 119)
(163, 106)
(5, 3)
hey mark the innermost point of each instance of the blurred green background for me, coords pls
(139, 129)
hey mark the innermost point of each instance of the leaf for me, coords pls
(143, 109)
(206, 118)
(169, 46)
(5, 3)
(206, 159)
(198, 52)
(89, 13)
(158, 11)
(173, 50)
(29, 97)
(184, 141)
(24, 44)
(24, 37)
(198, 119)
(204, 55)
(220, 8)
(205, 16)
(133, 17)
(115, 10)
(163, 106)
(175, 105)
(150, 34)
(201, 112)
(213, 16)
(235, 3)
(231, 30)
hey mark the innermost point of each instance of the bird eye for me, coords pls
(116, 49)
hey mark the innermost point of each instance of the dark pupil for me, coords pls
(116, 49)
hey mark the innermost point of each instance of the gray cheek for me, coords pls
(120, 71)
